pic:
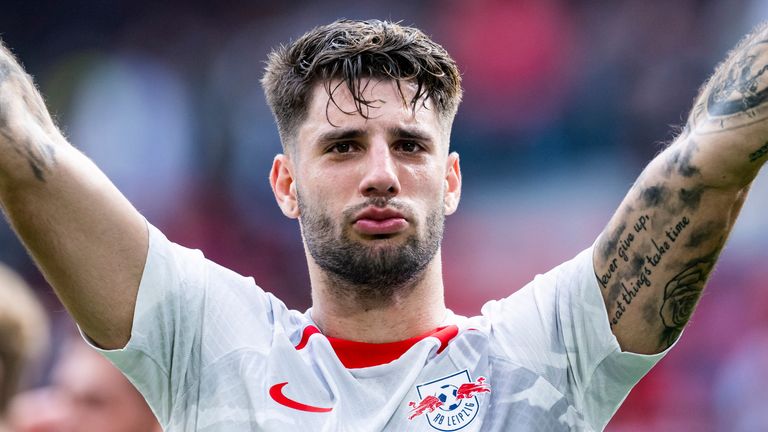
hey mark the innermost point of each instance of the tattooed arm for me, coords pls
(655, 255)
(87, 239)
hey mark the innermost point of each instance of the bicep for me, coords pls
(656, 253)
(88, 240)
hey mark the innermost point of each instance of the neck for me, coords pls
(411, 311)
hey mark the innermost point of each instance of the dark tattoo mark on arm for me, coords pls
(739, 81)
(703, 234)
(655, 195)
(680, 297)
(39, 151)
(691, 198)
(680, 161)
(38, 157)
(759, 153)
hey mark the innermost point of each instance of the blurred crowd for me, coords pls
(565, 101)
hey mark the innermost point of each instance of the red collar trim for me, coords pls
(361, 354)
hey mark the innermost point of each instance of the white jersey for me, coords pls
(211, 351)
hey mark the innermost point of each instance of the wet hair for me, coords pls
(346, 52)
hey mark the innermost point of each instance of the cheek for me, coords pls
(326, 190)
(318, 183)
(428, 181)
(425, 188)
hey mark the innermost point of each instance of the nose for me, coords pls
(380, 176)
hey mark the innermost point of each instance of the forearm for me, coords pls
(658, 250)
(87, 239)
(727, 130)
(28, 136)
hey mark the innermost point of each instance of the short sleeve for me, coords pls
(188, 312)
(557, 326)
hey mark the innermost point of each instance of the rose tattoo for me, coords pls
(680, 297)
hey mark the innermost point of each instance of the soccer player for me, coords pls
(364, 110)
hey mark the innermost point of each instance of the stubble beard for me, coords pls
(368, 274)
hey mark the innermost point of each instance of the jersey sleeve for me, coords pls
(189, 312)
(557, 326)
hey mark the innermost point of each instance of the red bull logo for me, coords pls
(428, 404)
(468, 390)
(449, 403)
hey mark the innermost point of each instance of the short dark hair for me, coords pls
(349, 51)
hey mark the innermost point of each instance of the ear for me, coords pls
(452, 183)
(283, 185)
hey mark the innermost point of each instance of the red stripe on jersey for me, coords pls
(276, 393)
(361, 354)
(445, 334)
(308, 331)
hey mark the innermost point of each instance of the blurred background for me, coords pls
(565, 102)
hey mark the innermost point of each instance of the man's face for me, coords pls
(372, 193)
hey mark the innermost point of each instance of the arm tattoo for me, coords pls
(22, 112)
(736, 95)
(680, 297)
(759, 153)
(738, 89)
(678, 233)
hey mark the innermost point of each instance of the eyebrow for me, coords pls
(341, 134)
(348, 134)
(409, 133)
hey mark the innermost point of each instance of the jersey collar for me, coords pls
(354, 354)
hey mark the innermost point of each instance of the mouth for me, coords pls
(375, 221)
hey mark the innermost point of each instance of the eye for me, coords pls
(341, 147)
(408, 146)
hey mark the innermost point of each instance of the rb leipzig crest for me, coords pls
(449, 403)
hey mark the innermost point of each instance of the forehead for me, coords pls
(388, 109)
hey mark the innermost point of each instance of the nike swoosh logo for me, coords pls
(276, 393)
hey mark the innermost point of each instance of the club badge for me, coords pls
(449, 403)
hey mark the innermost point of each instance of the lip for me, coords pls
(378, 221)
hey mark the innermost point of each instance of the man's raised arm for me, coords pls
(655, 255)
(88, 240)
